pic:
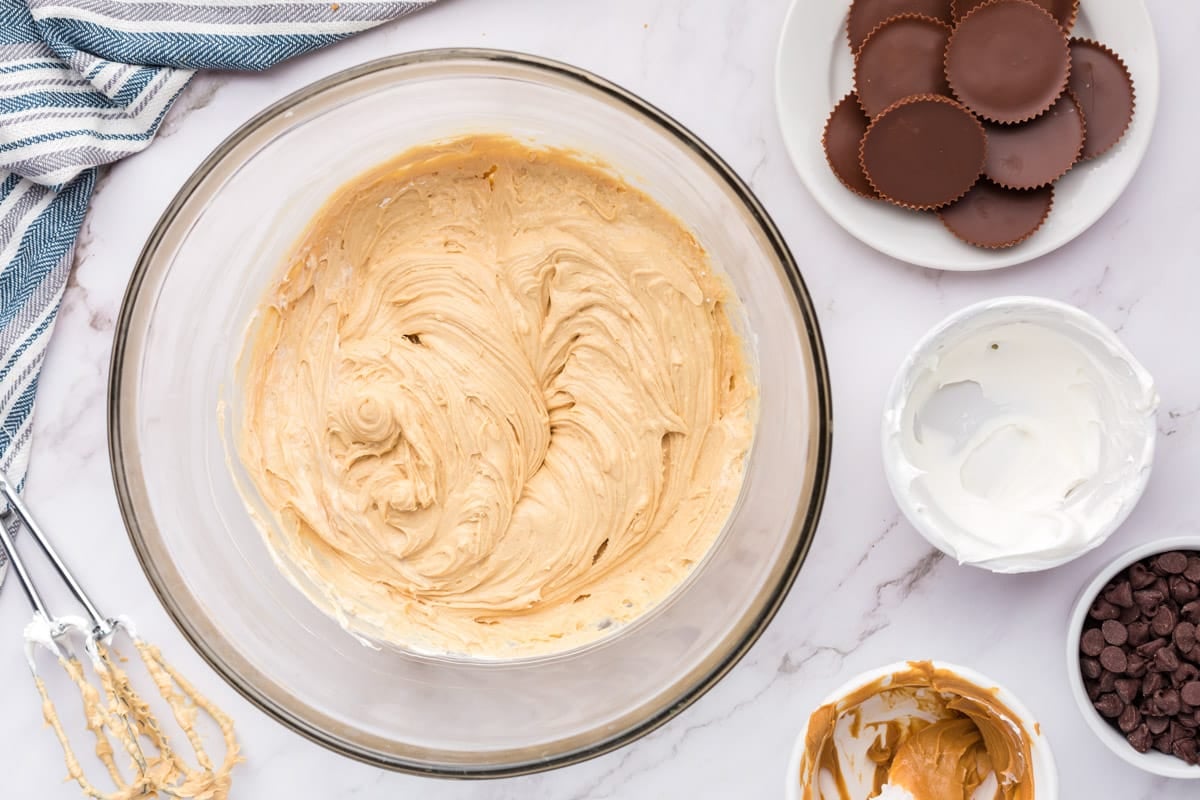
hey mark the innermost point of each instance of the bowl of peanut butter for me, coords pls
(922, 730)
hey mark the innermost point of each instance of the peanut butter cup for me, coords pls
(1101, 83)
(1036, 153)
(903, 56)
(865, 15)
(924, 152)
(1008, 60)
(844, 131)
(994, 217)
(1065, 11)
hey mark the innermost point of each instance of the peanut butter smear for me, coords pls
(495, 404)
(926, 731)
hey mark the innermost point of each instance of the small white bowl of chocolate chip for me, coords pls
(1133, 657)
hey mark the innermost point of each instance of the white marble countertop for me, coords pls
(872, 591)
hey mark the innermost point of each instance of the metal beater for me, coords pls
(117, 716)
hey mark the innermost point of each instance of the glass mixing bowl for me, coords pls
(173, 394)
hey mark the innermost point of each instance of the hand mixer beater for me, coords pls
(119, 718)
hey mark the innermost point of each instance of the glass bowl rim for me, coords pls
(127, 480)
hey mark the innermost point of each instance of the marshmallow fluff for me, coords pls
(1020, 434)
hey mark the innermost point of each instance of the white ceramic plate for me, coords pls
(813, 72)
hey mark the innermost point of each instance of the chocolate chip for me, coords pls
(1139, 633)
(1187, 749)
(1164, 743)
(1148, 600)
(1182, 590)
(1114, 659)
(1127, 689)
(1102, 610)
(1138, 666)
(1192, 573)
(1173, 563)
(1093, 691)
(1110, 706)
(1151, 647)
(1152, 683)
(1092, 642)
(1165, 660)
(1129, 719)
(1158, 725)
(1191, 612)
(1107, 682)
(1140, 739)
(1140, 577)
(1090, 668)
(1120, 594)
(1114, 632)
(1186, 674)
(1191, 693)
(1131, 614)
(1185, 636)
(1164, 622)
(1168, 702)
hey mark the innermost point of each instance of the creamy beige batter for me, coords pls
(495, 404)
(944, 739)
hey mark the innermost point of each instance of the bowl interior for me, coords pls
(1153, 761)
(174, 397)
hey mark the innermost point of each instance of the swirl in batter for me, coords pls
(495, 405)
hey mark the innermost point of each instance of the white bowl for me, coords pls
(1045, 773)
(952, 516)
(1153, 762)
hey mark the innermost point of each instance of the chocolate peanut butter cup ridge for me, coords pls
(865, 15)
(902, 57)
(1065, 11)
(924, 152)
(844, 131)
(1104, 88)
(1037, 153)
(1008, 61)
(993, 217)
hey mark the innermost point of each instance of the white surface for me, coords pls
(1152, 761)
(1019, 434)
(873, 591)
(814, 45)
(1046, 779)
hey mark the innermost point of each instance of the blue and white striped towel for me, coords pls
(84, 83)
